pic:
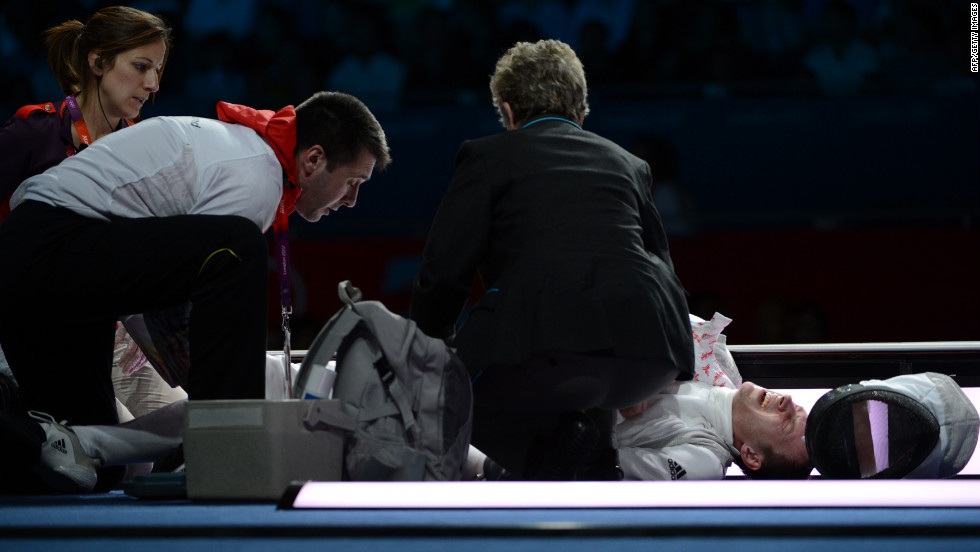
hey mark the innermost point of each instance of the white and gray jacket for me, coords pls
(685, 433)
(166, 166)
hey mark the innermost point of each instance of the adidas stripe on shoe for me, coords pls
(64, 466)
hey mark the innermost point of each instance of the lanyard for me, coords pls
(281, 241)
(552, 119)
(76, 117)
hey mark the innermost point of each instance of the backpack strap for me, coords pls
(327, 343)
(351, 295)
(393, 386)
(398, 394)
(348, 293)
(322, 417)
(334, 336)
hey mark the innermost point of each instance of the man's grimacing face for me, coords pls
(765, 416)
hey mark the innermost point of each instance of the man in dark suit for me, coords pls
(583, 313)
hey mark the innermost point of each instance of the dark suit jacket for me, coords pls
(561, 227)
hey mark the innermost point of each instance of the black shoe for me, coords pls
(172, 461)
(9, 394)
(493, 471)
(22, 439)
(604, 466)
(111, 478)
(560, 457)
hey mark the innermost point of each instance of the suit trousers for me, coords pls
(516, 407)
(66, 280)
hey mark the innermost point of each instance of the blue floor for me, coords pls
(115, 521)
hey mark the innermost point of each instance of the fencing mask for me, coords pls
(919, 426)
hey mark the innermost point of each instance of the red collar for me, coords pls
(279, 130)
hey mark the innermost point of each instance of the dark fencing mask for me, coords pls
(919, 426)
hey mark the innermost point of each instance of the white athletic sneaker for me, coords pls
(64, 466)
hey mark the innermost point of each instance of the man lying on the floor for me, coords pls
(692, 431)
(696, 429)
(908, 426)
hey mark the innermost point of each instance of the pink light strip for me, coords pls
(878, 414)
(642, 494)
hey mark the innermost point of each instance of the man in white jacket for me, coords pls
(695, 430)
(162, 215)
(168, 215)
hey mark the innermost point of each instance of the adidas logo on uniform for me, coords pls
(676, 471)
(59, 445)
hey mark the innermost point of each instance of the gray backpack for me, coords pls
(408, 394)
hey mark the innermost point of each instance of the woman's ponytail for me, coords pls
(62, 43)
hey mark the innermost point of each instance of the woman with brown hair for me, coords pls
(108, 68)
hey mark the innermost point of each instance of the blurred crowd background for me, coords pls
(817, 162)
(408, 53)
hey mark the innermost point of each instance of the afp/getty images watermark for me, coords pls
(974, 27)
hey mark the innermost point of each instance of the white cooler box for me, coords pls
(253, 449)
